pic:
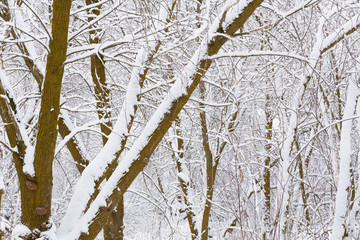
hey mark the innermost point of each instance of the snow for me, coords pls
(19, 231)
(89, 6)
(183, 176)
(80, 143)
(85, 187)
(6, 84)
(28, 167)
(290, 12)
(234, 10)
(49, 234)
(98, 18)
(19, 23)
(2, 186)
(337, 35)
(94, 48)
(96, 169)
(290, 128)
(72, 134)
(259, 53)
(345, 158)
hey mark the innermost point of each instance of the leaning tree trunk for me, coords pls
(138, 155)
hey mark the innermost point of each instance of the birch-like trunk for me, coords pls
(340, 228)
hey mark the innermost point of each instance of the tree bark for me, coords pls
(267, 172)
(36, 209)
(210, 178)
(184, 185)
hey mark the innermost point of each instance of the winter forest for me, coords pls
(179, 119)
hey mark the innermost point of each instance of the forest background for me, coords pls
(179, 119)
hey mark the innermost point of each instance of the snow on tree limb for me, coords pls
(320, 47)
(97, 19)
(2, 186)
(259, 53)
(346, 29)
(15, 130)
(108, 155)
(339, 228)
(138, 156)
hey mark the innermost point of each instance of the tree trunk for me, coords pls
(184, 182)
(36, 203)
(339, 227)
(266, 174)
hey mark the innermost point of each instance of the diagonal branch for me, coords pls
(138, 156)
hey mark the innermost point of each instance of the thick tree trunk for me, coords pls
(36, 203)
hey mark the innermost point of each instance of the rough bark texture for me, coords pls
(114, 228)
(37, 209)
(64, 130)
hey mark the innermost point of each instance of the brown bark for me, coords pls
(6, 15)
(73, 146)
(36, 211)
(179, 156)
(175, 107)
(267, 172)
(211, 162)
(114, 228)
(209, 167)
(111, 167)
(102, 93)
(64, 130)
(103, 104)
(14, 137)
(304, 195)
(16, 143)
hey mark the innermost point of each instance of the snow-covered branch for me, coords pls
(138, 156)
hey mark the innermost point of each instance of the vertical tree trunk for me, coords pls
(184, 181)
(209, 167)
(339, 227)
(266, 174)
(36, 189)
(36, 206)
(302, 184)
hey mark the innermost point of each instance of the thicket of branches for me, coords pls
(170, 119)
